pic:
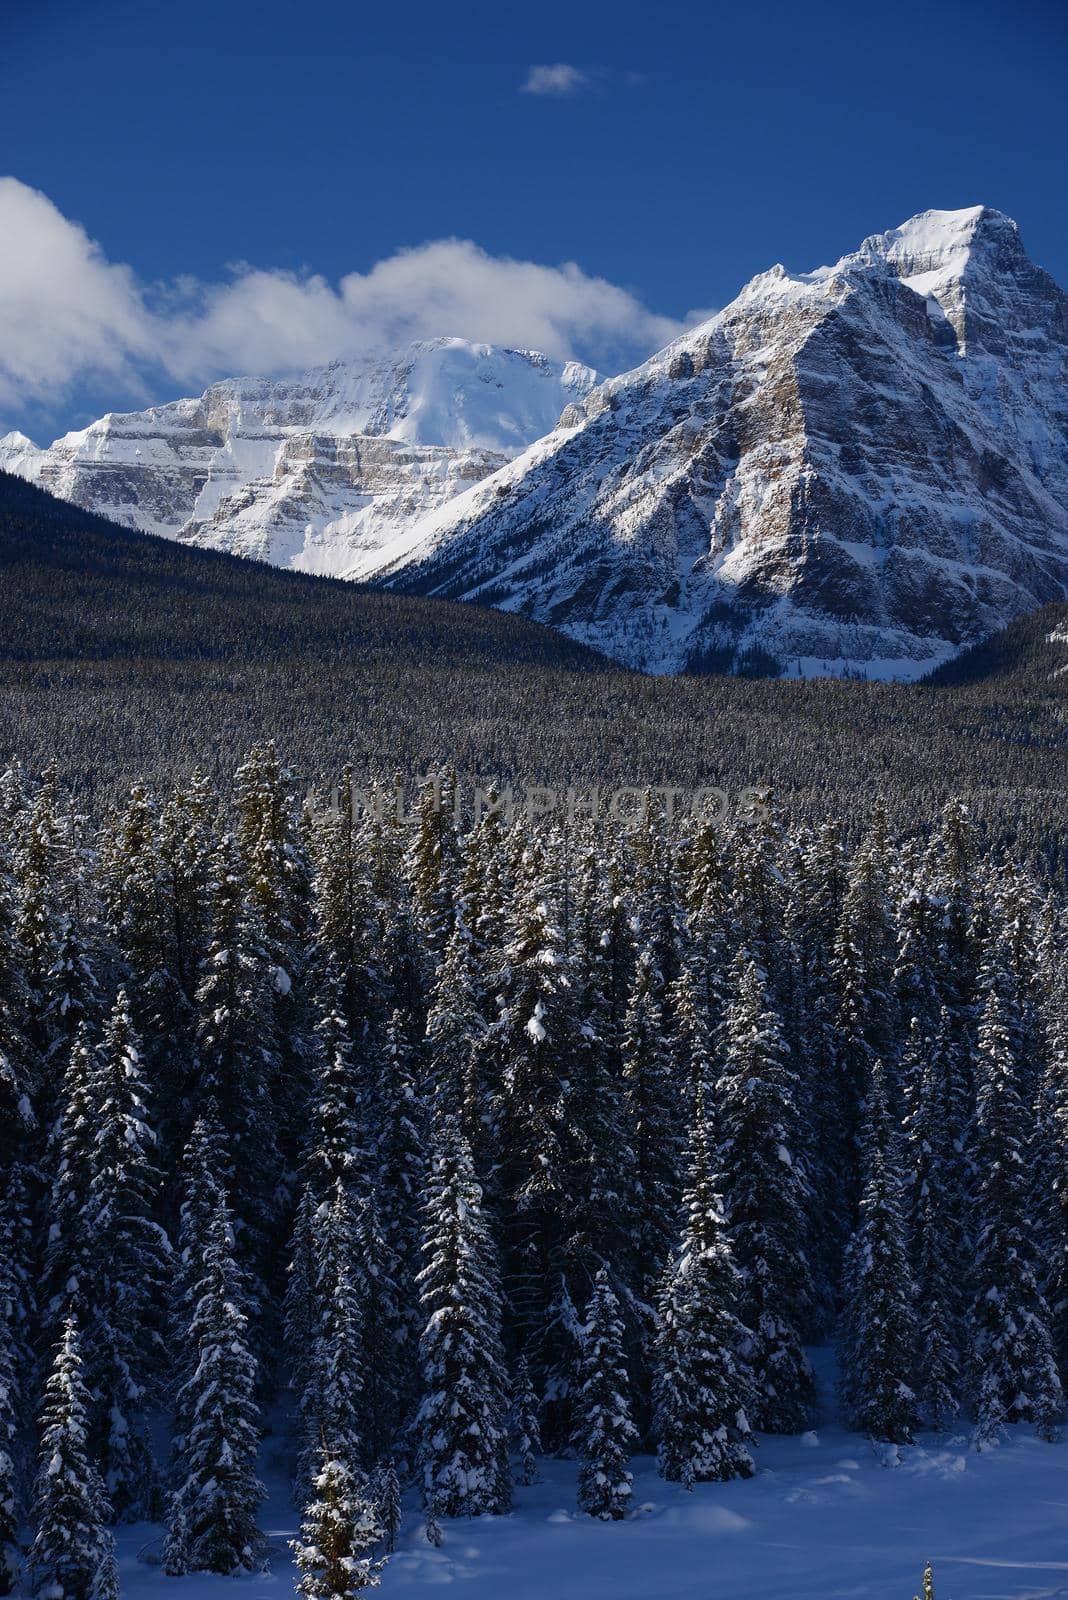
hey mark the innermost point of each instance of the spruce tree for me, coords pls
(238, 1052)
(390, 1507)
(533, 1044)
(701, 1384)
(935, 1196)
(127, 1266)
(604, 1432)
(212, 1520)
(879, 1347)
(525, 1429)
(652, 1142)
(73, 1553)
(332, 1376)
(339, 1531)
(462, 1421)
(766, 1192)
(70, 1160)
(1014, 1373)
(14, 1372)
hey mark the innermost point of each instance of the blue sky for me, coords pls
(673, 150)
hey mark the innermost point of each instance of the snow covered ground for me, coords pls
(825, 1517)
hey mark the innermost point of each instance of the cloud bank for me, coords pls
(73, 322)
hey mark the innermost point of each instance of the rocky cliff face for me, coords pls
(855, 470)
(311, 472)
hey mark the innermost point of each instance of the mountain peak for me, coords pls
(945, 242)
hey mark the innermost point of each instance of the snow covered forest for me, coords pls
(446, 1149)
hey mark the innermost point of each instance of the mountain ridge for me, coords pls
(856, 470)
(304, 471)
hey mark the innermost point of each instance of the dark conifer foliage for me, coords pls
(604, 1433)
(1015, 1375)
(462, 1424)
(549, 1140)
(73, 1553)
(879, 1344)
(765, 1187)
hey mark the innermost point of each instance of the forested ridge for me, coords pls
(124, 657)
(455, 1145)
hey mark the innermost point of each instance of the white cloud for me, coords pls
(73, 322)
(559, 79)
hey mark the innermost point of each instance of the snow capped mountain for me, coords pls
(313, 471)
(858, 469)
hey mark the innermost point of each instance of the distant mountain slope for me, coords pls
(858, 470)
(124, 658)
(78, 587)
(311, 471)
(1031, 650)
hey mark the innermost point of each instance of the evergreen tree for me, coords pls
(73, 1554)
(936, 1199)
(526, 1434)
(383, 1334)
(879, 1347)
(533, 1044)
(14, 1374)
(239, 1061)
(20, 1064)
(129, 1257)
(331, 1396)
(1015, 1376)
(390, 1508)
(701, 1384)
(765, 1188)
(433, 866)
(70, 1160)
(456, 1037)
(212, 1521)
(339, 1531)
(651, 1099)
(604, 1432)
(462, 1422)
(340, 1145)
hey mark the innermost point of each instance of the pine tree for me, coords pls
(526, 1433)
(935, 1193)
(339, 1531)
(73, 1554)
(433, 866)
(879, 1347)
(65, 1279)
(14, 1372)
(383, 1334)
(462, 1421)
(533, 1045)
(765, 1188)
(1015, 1376)
(340, 1143)
(239, 1061)
(129, 1257)
(332, 1373)
(604, 1432)
(20, 1064)
(456, 1036)
(212, 1521)
(928, 1584)
(701, 1385)
(390, 1507)
(650, 1098)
